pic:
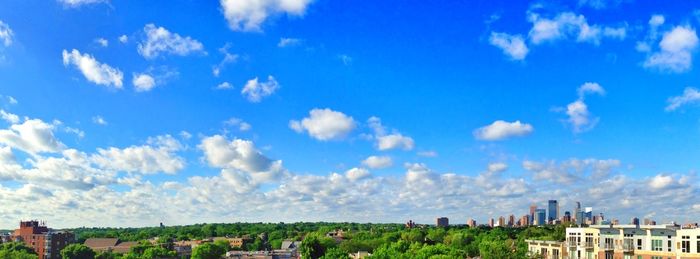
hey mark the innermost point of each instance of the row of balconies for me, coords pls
(625, 247)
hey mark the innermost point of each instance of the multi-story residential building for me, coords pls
(442, 222)
(553, 207)
(511, 220)
(471, 223)
(525, 221)
(46, 242)
(491, 223)
(546, 249)
(501, 221)
(633, 242)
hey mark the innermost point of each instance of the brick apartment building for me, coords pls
(46, 242)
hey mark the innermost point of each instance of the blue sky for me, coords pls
(309, 110)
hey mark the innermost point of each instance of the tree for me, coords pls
(158, 252)
(108, 255)
(335, 253)
(77, 251)
(208, 251)
(17, 246)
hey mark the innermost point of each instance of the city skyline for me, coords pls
(113, 114)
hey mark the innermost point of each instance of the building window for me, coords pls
(670, 245)
(657, 245)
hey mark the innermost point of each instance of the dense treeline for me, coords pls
(382, 240)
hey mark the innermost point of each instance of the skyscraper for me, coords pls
(533, 207)
(442, 222)
(577, 210)
(553, 207)
(541, 217)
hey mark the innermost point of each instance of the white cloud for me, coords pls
(9, 117)
(429, 153)
(356, 174)
(102, 42)
(570, 25)
(388, 141)
(248, 15)
(238, 123)
(572, 170)
(143, 82)
(500, 130)
(347, 60)
(497, 167)
(675, 50)
(93, 70)
(158, 155)
(513, 46)
(393, 141)
(690, 96)
(377, 162)
(288, 42)
(32, 136)
(161, 41)
(224, 86)
(228, 58)
(324, 124)
(99, 120)
(661, 181)
(255, 91)
(6, 34)
(124, 39)
(78, 3)
(580, 118)
(241, 155)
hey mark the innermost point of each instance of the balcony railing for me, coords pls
(627, 247)
(608, 246)
(579, 244)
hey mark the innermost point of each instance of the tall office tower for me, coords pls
(525, 221)
(442, 222)
(471, 223)
(511, 220)
(588, 213)
(491, 222)
(647, 221)
(634, 221)
(577, 209)
(533, 208)
(567, 217)
(541, 217)
(553, 207)
(501, 221)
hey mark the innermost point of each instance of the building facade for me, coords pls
(46, 242)
(442, 222)
(546, 249)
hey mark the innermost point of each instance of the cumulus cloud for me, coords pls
(249, 15)
(580, 119)
(690, 95)
(324, 124)
(6, 34)
(661, 181)
(377, 162)
(161, 41)
(386, 140)
(497, 167)
(240, 155)
(500, 130)
(123, 39)
(429, 153)
(99, 120)
(102, 42)
(158, 155)
(93, 70)
(9, 117)
(238, 123)
(572, 170)
(355, 174)
(512, 46)
(143, 82)
(32, 136)
(228, 58)
(675, 50)
(255, 90)
(288, 42)
(79, 3)
(224, 86)
(570, 25)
